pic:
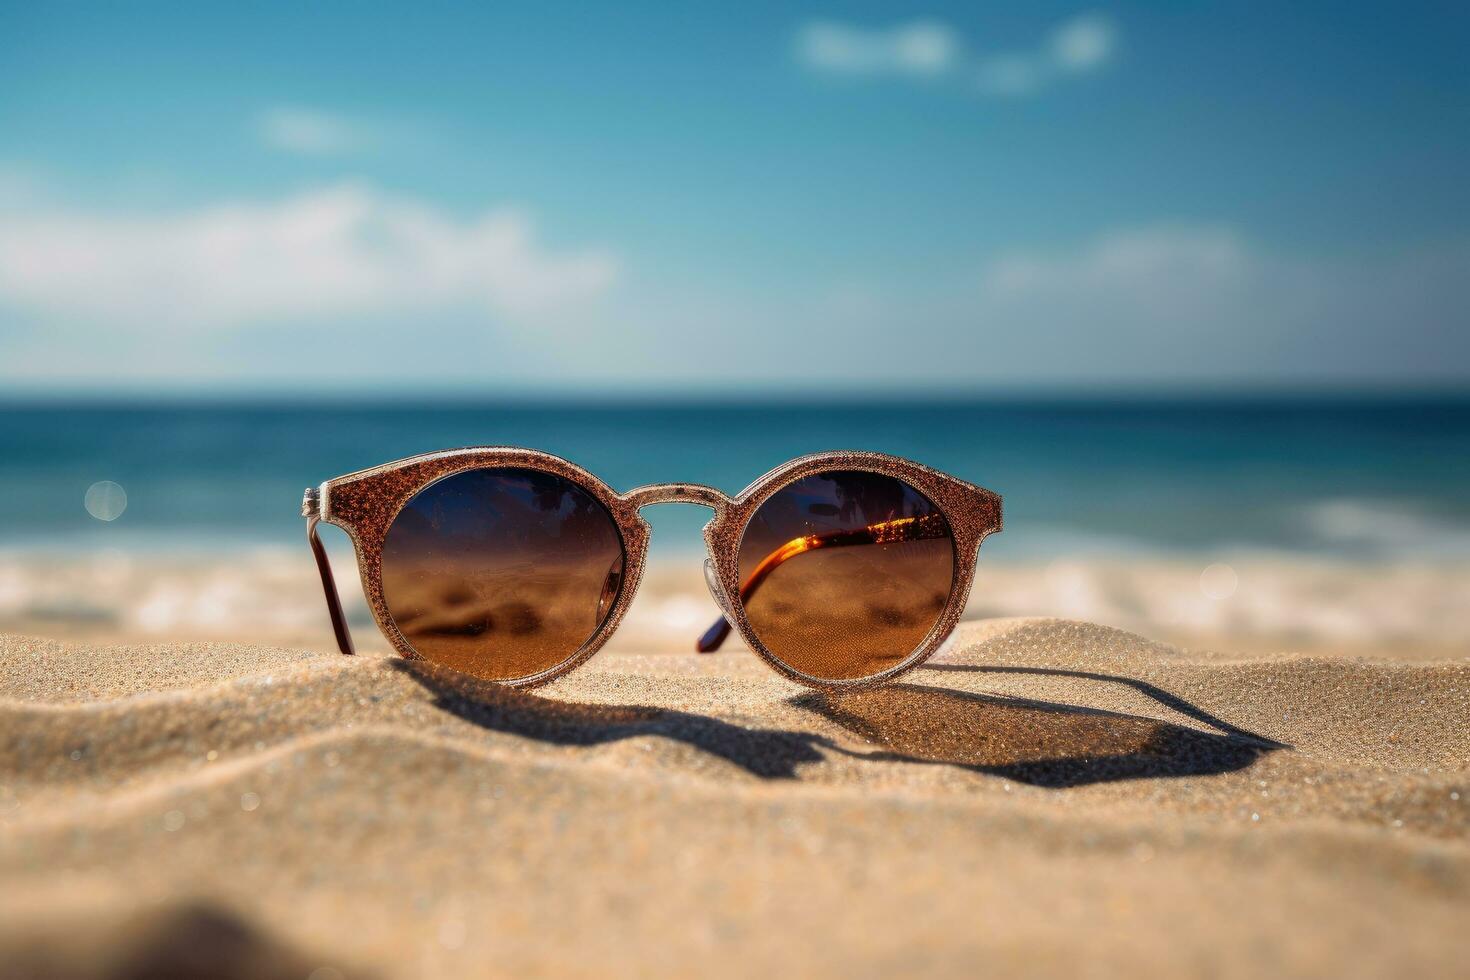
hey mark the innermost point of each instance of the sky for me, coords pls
(557, 198)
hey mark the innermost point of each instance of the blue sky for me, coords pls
(669, 197)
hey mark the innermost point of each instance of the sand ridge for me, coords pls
(1049, 795)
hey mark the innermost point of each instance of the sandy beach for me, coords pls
(1049, 796)
(486, 313)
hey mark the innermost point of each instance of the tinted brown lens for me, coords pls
(845, 573)
(501, 573)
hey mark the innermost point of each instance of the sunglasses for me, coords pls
(841, 570)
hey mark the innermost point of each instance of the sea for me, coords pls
(1337, 523)
(1358, 477)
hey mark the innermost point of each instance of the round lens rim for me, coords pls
(972, 513)
(366, 503)
(954, 576)
(556, 668)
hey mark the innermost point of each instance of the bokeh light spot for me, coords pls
(1218, 581)
(106, 500)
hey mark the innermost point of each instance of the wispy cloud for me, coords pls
(931, 49)
(1175, 302)
(1189, 300)
(917, 48)
(342, 250)
(1144, 262)
(1077, 47)
(1178, 302)
(311, 132)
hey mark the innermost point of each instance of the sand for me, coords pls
(1050, 797)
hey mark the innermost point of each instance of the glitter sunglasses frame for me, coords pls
(364, 504)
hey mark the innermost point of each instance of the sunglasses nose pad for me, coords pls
(610, 588)
(715, 635)
(712, 582)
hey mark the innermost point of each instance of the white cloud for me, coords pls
(1081, 45)
(1175, 303)
(310, 132)
(342, 250)
(1084, 44)
(917, 48)
(1132, 261)
(1151, 293)
(113, 299)
(1188, 301)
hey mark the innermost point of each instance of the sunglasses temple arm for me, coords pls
(329, 586)
(713, 637)
(720, 629)
(901, 529)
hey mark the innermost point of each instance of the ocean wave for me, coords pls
(1385, 527)
(1237, 596)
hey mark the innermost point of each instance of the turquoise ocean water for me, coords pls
(1381, 478)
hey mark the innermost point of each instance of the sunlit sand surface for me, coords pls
(1050, 796)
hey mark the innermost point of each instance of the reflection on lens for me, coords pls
(845, 573)
(501, 573)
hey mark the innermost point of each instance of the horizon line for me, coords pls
(733, 395)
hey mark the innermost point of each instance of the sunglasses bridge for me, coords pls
(700, 496)
(678, 493)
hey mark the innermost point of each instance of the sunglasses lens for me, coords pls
(845, 573)
(501, 573)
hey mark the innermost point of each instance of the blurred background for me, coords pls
(1188, 284)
